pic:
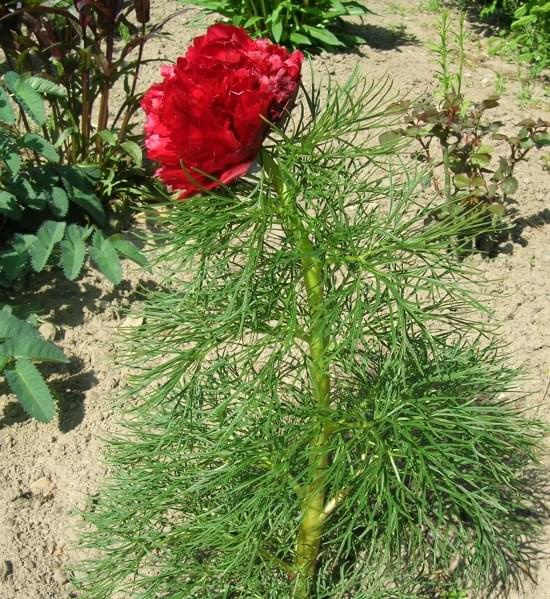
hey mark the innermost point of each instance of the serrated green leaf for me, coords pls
(24, 341)
(13, 162)
(7, 115)
(12, 264)
(34, 347)
(129, 250)
(9, 205)
(29, 99)
(47, 87)
(134, 151)
(31, 390)
(41, 146)
(81, 191)
(50, 233)
(73, 252)
(104, 254)
(58, 202)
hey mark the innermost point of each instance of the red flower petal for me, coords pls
(208, 115)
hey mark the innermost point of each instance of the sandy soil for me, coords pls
(48, 471)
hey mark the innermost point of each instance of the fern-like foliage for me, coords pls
(425, 453)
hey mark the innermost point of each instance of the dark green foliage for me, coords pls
(21, 346)
(428, 455)
(525, 28)
(48, 210)
(297, 24)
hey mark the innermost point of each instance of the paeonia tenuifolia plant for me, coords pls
(319, 411)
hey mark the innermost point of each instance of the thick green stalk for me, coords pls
(314, 493)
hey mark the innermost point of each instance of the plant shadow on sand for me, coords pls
(503, 242)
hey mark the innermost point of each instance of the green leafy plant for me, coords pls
(83, 49)
(21, 348)
(296, 24)
(531, 33)
(322, 414)
(49, 211)
(524, 29)
(476, 172)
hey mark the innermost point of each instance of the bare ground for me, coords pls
(47, 472)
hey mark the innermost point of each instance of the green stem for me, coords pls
(447, 174)
(314, 496)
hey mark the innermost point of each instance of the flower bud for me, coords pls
(143, 10)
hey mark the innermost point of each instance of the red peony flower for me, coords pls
(207, 115)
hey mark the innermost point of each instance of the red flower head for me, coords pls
(208, 114)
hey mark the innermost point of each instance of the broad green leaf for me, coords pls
(277, 30)
(47, 87)
(300, 39)
(4, 358)
(81, 190)
(24, 341)
(13, 161)
(73, 251)
(462, 180)
(59, 202)
(104, 255)
(324, 36)
(134, 151)
(354, 8)
(12, 264)
(29, 99)
(11, 326)
(34, 347)
(129, 250)
(48, 235)
(31, 390)
(542, 139)
(9, 205)
(108, 137)
(481, 159)
(41, 146)
(90, 204)
(509, 185)
(7, 114)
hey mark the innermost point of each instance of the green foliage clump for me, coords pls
(525, 29)
(322, 412)
(475, 173)
(21, 347)
(49, 211)
(296, 24)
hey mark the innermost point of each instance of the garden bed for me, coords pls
(48, 471)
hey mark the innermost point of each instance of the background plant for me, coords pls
(524, 29)
(21, 347)
(89, 48)
(322, 412)
(475, 172)
(49, 211)
(309, 23)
